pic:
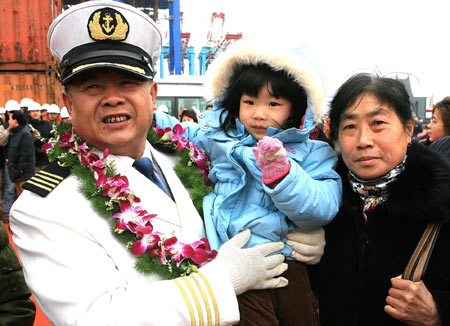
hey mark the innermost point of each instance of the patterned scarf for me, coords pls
(375, 191)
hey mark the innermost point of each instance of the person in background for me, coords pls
(2, 166)
(16, 307)
(393, 188)
(188, 115)
(44, 111)
(65, 117)
(78, 270)
(3, 114)
(25, 104)
(40, 129)
(53, 114)
(9, 192)
(440, 121)
(268, 175)
(208, 107)
(21, 156)
(442, 146)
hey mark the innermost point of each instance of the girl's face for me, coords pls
(436, 126)
(264, 111)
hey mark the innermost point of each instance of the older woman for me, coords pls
(440, 121)
(391, 191)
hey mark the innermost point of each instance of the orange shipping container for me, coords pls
(27, 68)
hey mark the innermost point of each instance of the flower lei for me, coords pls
(111, 197)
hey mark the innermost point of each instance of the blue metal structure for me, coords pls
(203, 58)
(175, 37)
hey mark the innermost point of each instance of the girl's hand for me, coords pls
(272, 159)
(411, 303)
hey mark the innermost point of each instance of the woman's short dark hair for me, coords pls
(388, 91)
(249, 79)
(189, 113)
(444, 108)
(20, 117)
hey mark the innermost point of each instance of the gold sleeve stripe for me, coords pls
(56, 182)
(213, 298)
(44, 182)
(51, 175)
(186, 300)
(39, 185)
(197, 302)
(205, 299)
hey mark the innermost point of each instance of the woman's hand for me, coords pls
(307, 246)
(411, 303)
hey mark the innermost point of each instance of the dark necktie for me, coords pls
(145, 166)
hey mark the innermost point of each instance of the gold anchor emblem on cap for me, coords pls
(108, 24)
(108, 28)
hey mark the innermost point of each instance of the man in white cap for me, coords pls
(44, 111)
(53, 113)
(25, 104)
(78, 271)
(65, 117)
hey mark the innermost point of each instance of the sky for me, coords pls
(391, 37)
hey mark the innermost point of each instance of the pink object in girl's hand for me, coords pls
(271, 158)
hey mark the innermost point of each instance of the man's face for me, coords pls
(52, 116)
(35, 114)
(112, 109)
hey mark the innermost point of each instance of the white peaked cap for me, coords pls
(99, 34)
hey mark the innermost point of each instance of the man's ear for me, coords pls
(153, 92)
(67, 102)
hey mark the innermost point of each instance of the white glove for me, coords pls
(307, 245)
(252, 268)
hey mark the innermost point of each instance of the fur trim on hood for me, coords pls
(222, 69)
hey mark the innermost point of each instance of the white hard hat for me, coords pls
(26, 102)
(53, 108)
(64, 113)
(12, 105)
(2, 110)
(35, 106)
(45, 107)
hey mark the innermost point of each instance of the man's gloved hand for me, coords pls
(252, 268)
(272, 159)
(307, 245)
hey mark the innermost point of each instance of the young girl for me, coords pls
(269, 177)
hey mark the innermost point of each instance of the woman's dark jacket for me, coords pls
(21, 157)
(16, 308)
(361, 258)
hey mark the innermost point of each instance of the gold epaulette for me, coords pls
(47, 179)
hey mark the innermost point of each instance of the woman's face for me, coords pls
(186, 118)
(436, 126)
(372, 137)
